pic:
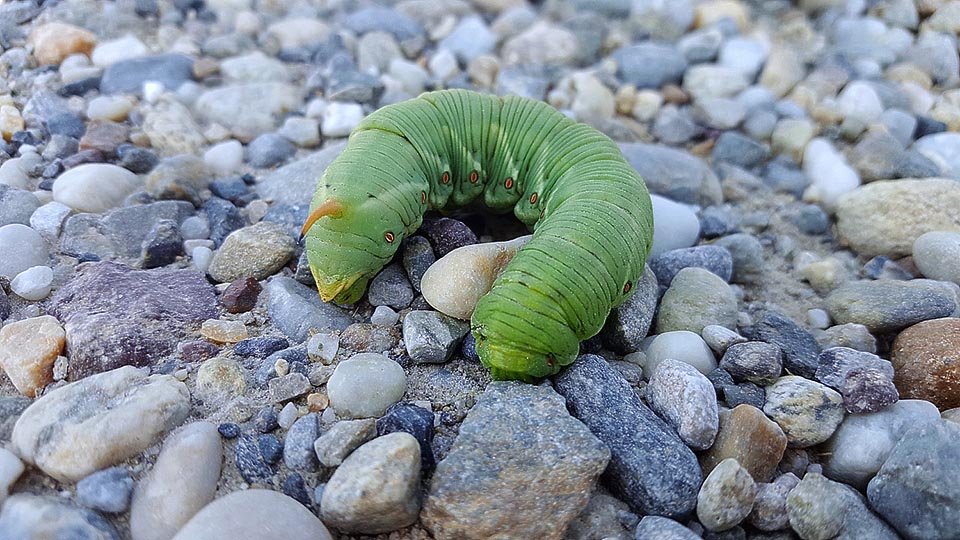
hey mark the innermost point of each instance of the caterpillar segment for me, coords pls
(589, 210)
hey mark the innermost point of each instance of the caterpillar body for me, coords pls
(589, 209)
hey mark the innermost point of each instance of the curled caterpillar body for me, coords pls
(590, 212)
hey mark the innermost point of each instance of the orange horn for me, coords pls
(331, 207)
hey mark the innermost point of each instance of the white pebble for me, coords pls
(113, 108)
(937, 255)
(288, 415)
(443, 65)
(677, 226)
(680, 345)
(201, 257)
(859, 102)
(818, 318)
(256, 210)
(323, 347)
(152, 90)
(48, 219)
(224, 158)
(384, 316)
(10, 469)
(95, 187)
(13, 172)
(22, 248)
(33, 283)
(339, 119)
(195, 228)
(114, 50)
(828, 172)
(303, 132)
(365, 385)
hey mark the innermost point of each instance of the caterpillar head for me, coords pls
(348, 241)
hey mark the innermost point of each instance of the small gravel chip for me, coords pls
(289, 387)
(229, 430)
(432, 337)
(288, 415)
(107, 491)
(270, 448)
(323, 347)
(753, 361)
(384, 316)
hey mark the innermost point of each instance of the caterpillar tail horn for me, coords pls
(331, 207)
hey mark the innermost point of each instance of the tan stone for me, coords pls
(28, 349)
(54, 41)
(926, 362)
(712, 11)
(748, 436)
(783, 70)
(10, 121)
(220, 331)
(885, 217)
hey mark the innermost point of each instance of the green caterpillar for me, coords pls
(590, 212)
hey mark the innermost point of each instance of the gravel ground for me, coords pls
(788, 366)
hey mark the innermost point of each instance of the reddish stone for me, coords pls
(926, 362)
(747, 435)
(241, 295)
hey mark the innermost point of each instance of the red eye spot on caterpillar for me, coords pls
(474, 177)
(389, 237)
(508, 183)
(533, 199)
(550, 361)
(627, 287)
(542, 212)
(423, 197)
(445, 178)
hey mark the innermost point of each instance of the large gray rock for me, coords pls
(650, 467)
(254, 514)
(296, 182)
(297, 309)
(889, 305)
(675, 174)
(115, 316)
(916, 490)
(520, 467)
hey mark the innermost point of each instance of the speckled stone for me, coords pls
(889, 305)
(926, 361)
(807, 411)
(748, 435)
(816, 508)
(726, 497)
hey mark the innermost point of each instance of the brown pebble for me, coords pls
(105, 136)
(926, 362)
(241, 295)
(317, 402)
(364, 337)
(205, 67)
(674, 94)
(747, 435)
(197, 350)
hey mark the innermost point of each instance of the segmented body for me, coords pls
(590, 212)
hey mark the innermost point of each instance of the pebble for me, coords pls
(676, 175)
(298, 452)
(629, 323)
(134, 408)
(323, 347)
(53, 42)
(770, 506)
(250, 461)
(747, 253)
(114, 108)
(663, 481)
(807, 411)
(288, 387)
(913, 490)
(661, 528)
(828, 173)
(10, 470)
(128, 76)
(269, 149)
(115, 50)
(686, 399)
(33, 283)
(674, 125)
(533, 494)
(678, 226)
(95, 187)
(720, 338)
(138, 315)
(224, 158)
(382, 380)
(454, 284)
(339, 119)
(868, 390)
(343, 437)
(731, 147)
(219, 381)
(16, 205)
(241, 295)
(390, 288)
(753, 361)
(650, 65)
(229, 106)
(816, 508)
(541, 43)
(747, 435)
(296, 309)
(257, 251)
(303, 132)
(24, 248)
(254, 513)
(888, 305)
(681, 345)
(937, 255)
(136, 159)
(863, 442)
(364, 337)
(432, 337)
(713, 258)
(416, 421)
(836, 363)
(384, 316)
(726, 497)
(223, 218)
(926, 363)
(800, 349)
(33, 516)
(696, 298)
(446, 235)
(106, 491)
(376, 489)
(28, 350)
(871, 225)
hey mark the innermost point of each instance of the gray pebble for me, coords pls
(417, 257)
(431, 337)
(662, 528)
(887, 306)
(800, 349)
(298, 452)
(713, 258)
(747, 253)
(650, 65)
(390, 288)
(269, 149)
(753, 361)
(108, 490)
(629, 323)
(732, 147)
(816, 509)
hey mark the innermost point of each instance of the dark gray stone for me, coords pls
(629, 323)
(260, 346)
(128, 76)
(867, 390)
(269, 149)
(447, 234)
(270, 448)
(835, 363)
(108, 490)
(354, 87)
(717, 221)
(136, 158)
(800, 349)
(265, 420)
(67, 124)
(754, 361)
(250, 462)
(417, 257)
(661, 528)
(414, 420)
(650, 65)
(650, 467)
(809, 218)
(390, 288)
(162, 245)
(732, 147)
(224, 218)
(297, 309)
(916, 490)
(713, 258)
(889, 306)
(674, 125)
(116, 316)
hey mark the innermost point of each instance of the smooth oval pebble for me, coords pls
(183, 480)
(681, 345)
(34, 283)
(95, 187)
(454, 284)
(254, 514)
(937, 255)
(365, 385)
(22, 248)
(677, 226)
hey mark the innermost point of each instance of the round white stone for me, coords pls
(34, 283)
(22, 248)
(365, 385)
(675, 226)
(95, 187)
(339, 119)
(937, 255)
(683, 346)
